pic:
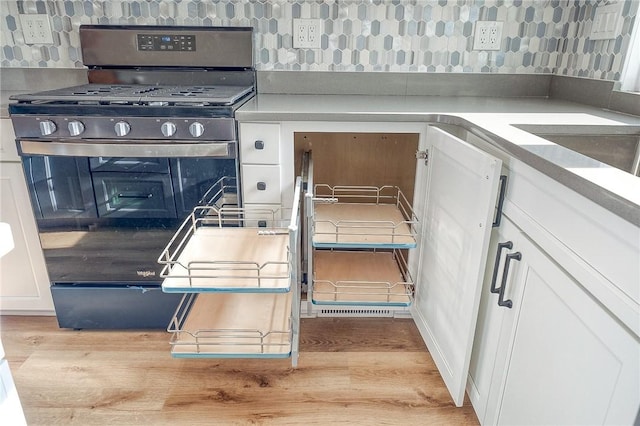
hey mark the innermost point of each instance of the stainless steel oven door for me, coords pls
(106, 210)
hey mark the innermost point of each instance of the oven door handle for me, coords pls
(106, 148)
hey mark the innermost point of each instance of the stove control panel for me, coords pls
(51, 127)
(167, 42)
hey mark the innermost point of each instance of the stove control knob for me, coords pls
(75, 128)
(168, 129)
(122, 128)
(47, 127)
(196, 129)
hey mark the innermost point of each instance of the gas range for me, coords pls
(116, 165)
(135, 111)
(152, 88)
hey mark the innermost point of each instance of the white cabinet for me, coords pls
(24, 283)
(260, 164)
(454, 197)
(555, 355)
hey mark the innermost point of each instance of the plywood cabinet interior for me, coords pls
(361, 159)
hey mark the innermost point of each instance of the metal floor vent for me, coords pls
(355, 313)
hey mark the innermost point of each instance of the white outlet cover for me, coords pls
(488, 35)
(307, 33)
(36, 29)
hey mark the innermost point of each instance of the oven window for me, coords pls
(107, 219)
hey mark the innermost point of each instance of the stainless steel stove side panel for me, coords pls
(225, 47)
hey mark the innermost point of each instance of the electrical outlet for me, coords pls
(36, 29)
(306, 33)
(488, 35)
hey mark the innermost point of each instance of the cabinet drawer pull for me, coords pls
(503, 190)
(261, 186)
(507, 262)
(259, 144)
(494, 279)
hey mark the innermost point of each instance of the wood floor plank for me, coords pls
(364, 371)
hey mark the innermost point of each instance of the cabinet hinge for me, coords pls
(423, 155)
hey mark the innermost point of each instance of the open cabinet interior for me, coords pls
(380, 224)
(360, 219)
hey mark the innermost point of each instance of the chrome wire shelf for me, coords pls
(383, 278)
(247, 332)
(363, 217)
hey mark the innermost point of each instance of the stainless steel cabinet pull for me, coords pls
(259, 144)
(494, 279)
(503, 190)
(261, 186)
(507, 262)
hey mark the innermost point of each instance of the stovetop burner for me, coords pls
(140, 94)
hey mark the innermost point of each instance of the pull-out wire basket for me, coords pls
(363, 217)
(228, 249)
(365, 278)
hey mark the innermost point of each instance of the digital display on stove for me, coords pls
(167, 42)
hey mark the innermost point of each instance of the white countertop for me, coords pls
(613, 189)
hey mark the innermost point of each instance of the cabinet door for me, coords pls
(24, 284)
(489, 352)
(462, 184)
(570, 361)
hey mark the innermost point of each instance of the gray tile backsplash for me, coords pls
(423, 36)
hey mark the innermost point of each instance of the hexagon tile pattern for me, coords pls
(539, 36)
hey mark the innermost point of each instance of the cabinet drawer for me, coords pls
(259, 143)
(261, 184)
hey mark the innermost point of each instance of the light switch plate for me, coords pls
(488, 35)
(307, 33)
(36, 29)
(607, 22)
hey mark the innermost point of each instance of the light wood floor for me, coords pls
(351, 371)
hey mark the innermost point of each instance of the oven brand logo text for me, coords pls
(146, 273)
